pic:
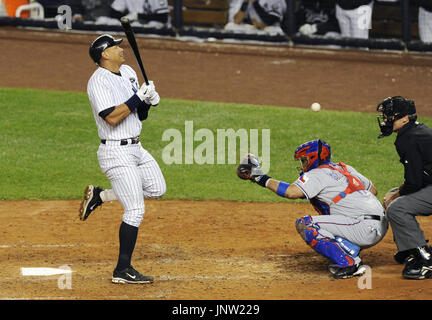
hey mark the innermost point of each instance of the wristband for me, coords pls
(262, 180)
(133, 103)
(282, 188)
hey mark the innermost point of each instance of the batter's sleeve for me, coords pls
(100, 94)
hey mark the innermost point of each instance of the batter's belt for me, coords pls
(122, 142)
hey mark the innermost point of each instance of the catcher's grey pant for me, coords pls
(134, 175)
(402, 214)
(364, 233)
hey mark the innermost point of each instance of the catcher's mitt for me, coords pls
(249, 168)
(244, 171)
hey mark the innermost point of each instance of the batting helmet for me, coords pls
(392, 109)
(317, 152)
(100, 44)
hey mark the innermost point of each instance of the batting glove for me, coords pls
(153, 96)
(154, 100)
(146, 92)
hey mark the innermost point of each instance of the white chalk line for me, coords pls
(63, 298)
(5, 246)
(157, 278)
(204, 277)
(44, 271)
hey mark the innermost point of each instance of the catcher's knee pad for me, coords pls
(324, 246)
(302, 225)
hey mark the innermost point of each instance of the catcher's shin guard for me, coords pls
(327, 247)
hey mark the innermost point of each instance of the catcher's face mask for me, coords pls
(302, 168)
(393, 109)
(312, 154)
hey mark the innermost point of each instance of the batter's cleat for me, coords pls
(130, 275)
(90, 202)
(420, 267)
(339, 272)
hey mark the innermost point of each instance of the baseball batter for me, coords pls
(351, 217)
(119, 105)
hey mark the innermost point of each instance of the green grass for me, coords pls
(48, 144)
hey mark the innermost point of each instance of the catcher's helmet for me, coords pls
(392, 109)
(100, 44)
(318, 152)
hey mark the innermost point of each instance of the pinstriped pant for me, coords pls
(134, 175)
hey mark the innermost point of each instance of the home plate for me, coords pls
(44, 271)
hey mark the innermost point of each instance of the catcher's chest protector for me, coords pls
(354, 184)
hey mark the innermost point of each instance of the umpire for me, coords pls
(414, 197)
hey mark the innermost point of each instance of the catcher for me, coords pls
(351, 217)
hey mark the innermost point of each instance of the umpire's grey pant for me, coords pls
(402, 214)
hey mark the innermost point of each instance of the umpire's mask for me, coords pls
(392, 109)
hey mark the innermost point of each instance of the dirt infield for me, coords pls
(201, 250)
(195, 250)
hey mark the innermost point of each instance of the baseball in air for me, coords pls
(316, 106)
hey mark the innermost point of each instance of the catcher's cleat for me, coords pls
(130, 275)
(339, 272)
(91, 201)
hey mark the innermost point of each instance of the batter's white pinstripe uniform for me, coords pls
(133, 172)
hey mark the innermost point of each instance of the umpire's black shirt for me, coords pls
(414, 146)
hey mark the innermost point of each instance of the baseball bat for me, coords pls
(131, 38)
